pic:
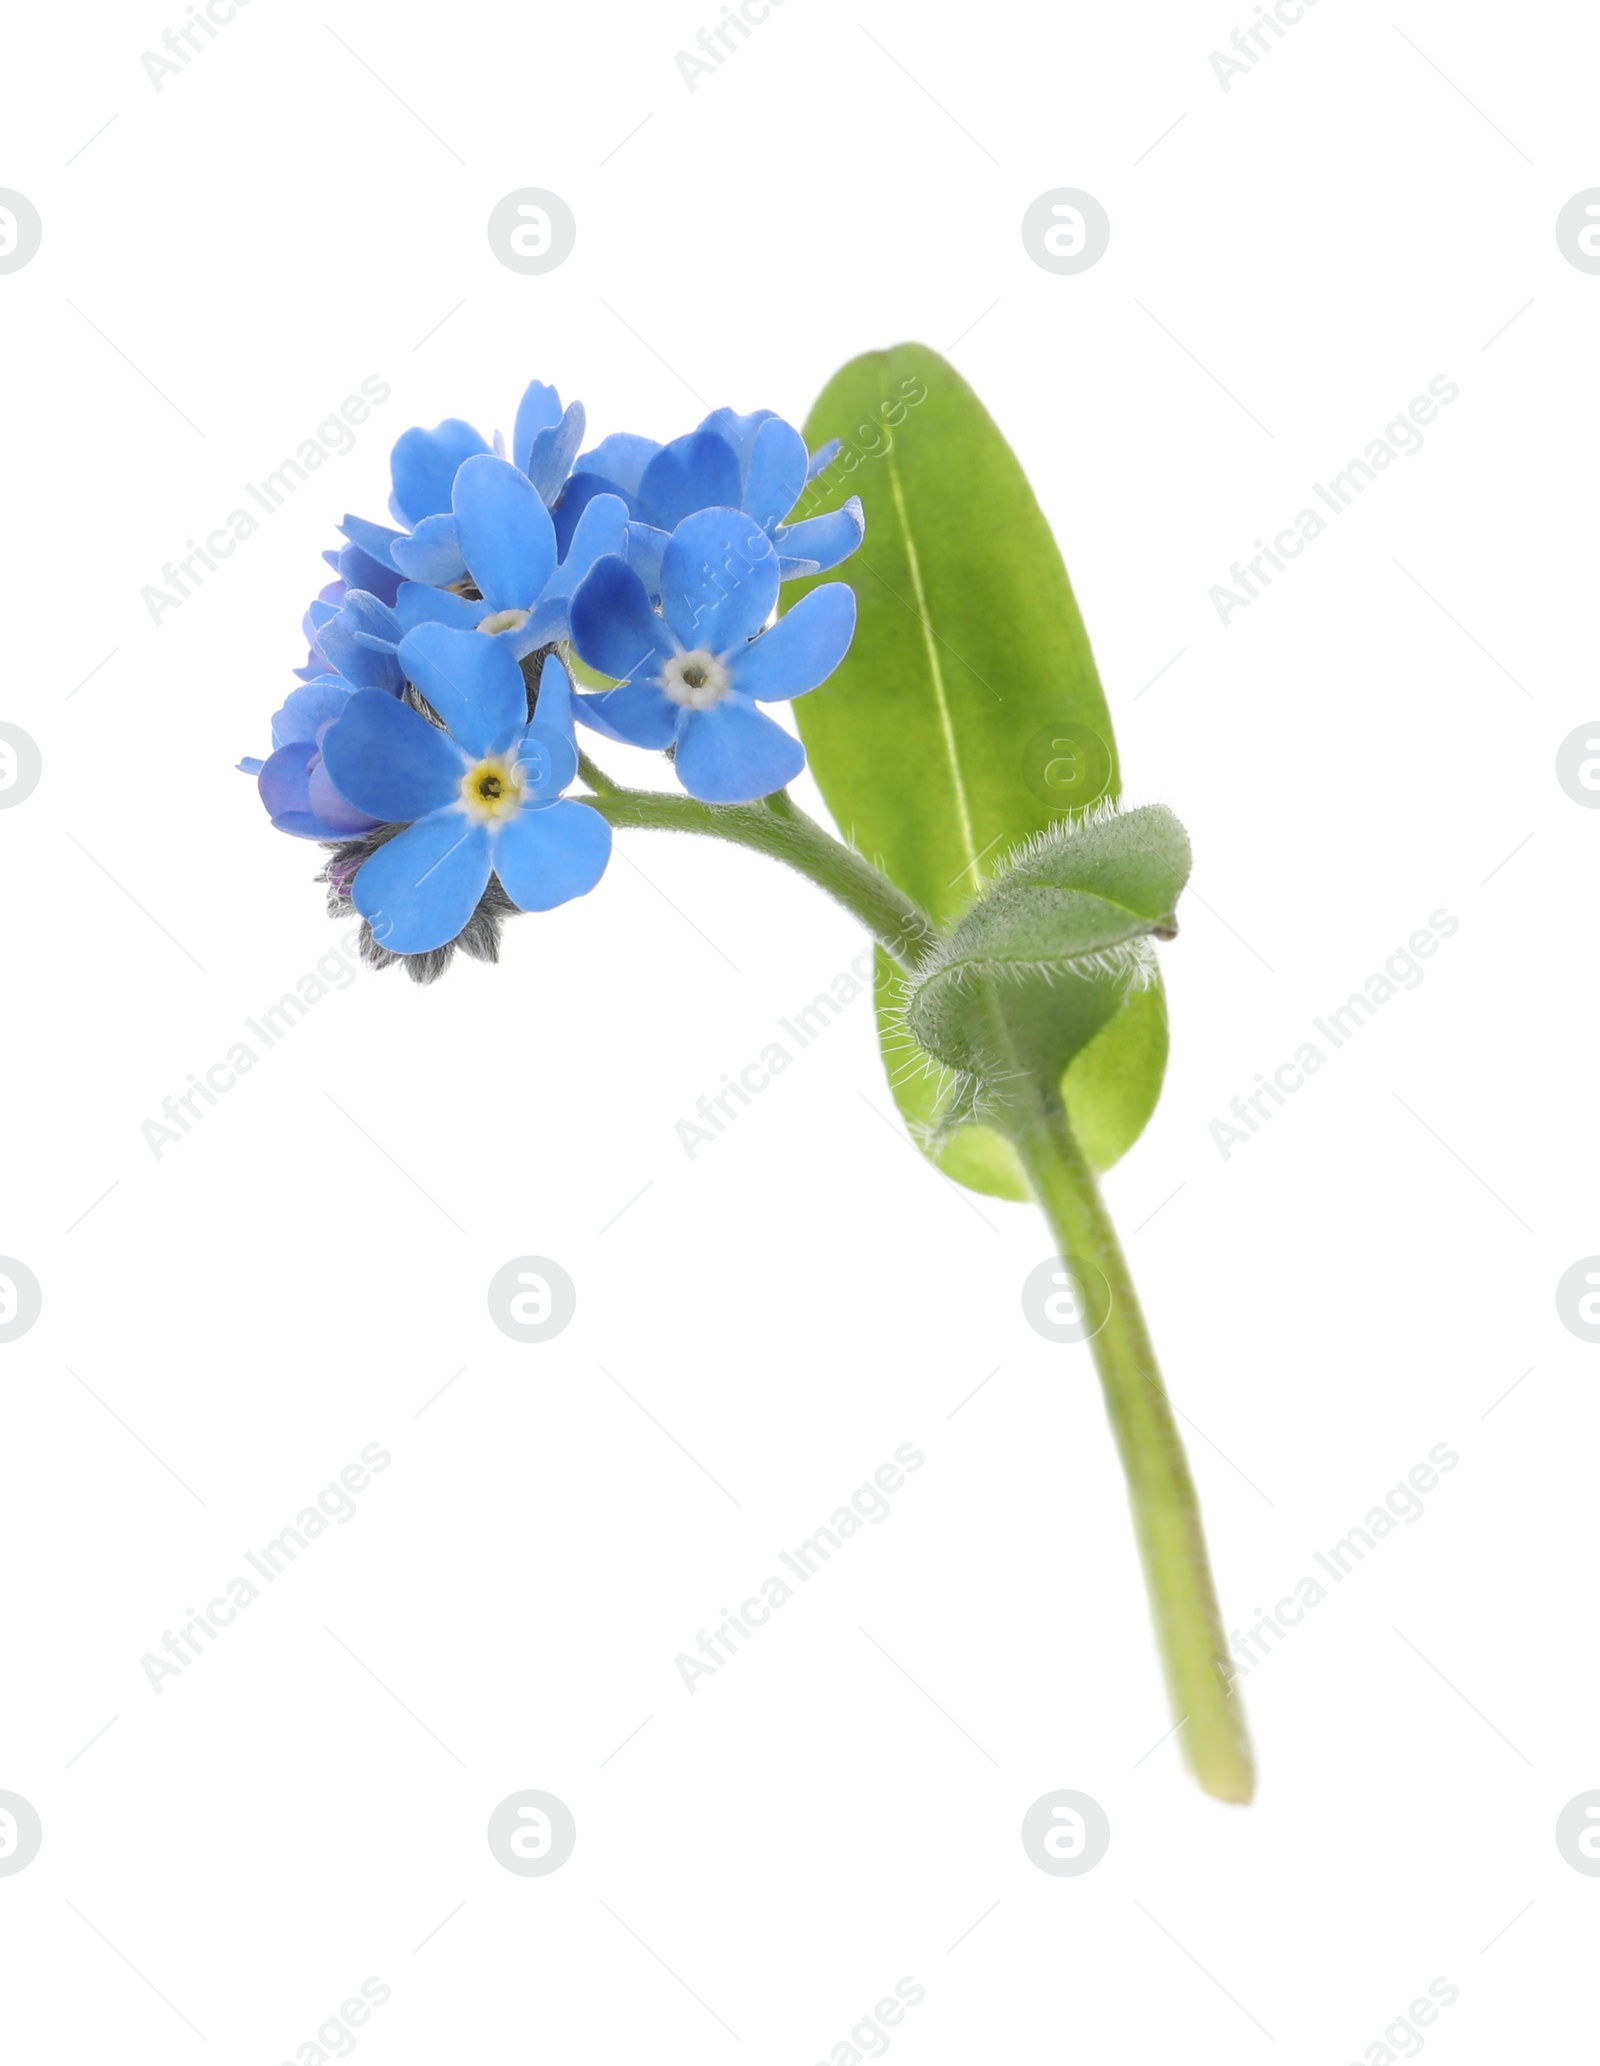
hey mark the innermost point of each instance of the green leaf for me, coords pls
(582, 673)
(1048, 955)
(1111, 1088)
(967, 717)
(1112, 1085)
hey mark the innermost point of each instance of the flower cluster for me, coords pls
(431, 739)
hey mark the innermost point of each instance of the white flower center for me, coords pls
(697, 680)
(492, 790)
(503, 620)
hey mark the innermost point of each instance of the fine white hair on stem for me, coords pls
(959, 1098)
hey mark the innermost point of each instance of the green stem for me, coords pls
(777, 827)
(1166, 1512)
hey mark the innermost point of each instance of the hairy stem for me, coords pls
(1166, 1512)
(776, 826)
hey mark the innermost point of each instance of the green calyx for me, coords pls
(1051, 952)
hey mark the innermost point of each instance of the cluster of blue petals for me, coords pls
(659, 566)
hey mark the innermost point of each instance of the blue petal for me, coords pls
(740, 431)
(553, 707)
(539, 409)
(284, 781)
(419, 890)
(621, 458)
(432, 552)
(548, 763)
(634, 716)
(613, 626)
(645, 547)
(249, 765)
(360, 642)
(389, 761)
(300, 797)
(299, 824)
(700, 471)
(823, 457)
(337, 816)
(548, 754)
(580, 491)
(734, 753)
(424, 462)
(545, 857)
(473, 682)
(550, 458)
(323, 605)
(418, 604)
(307, 709)
(602, 528)
(777, 472)
(824, 540)
(547, 624)
(358, 569)
(506, 532)
(374, 538)
(719, 581)
(802, 648)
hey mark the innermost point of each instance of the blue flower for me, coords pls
(479, 792)
(508, 546)
(755, 463)
(775, 470)
(323, 605)
(296, 788)
(691, 677)
(423, 467)
(356, 568)
(360, 638)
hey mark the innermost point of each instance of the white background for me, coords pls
(759, 1328)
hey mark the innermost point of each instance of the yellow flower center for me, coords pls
(492, 791)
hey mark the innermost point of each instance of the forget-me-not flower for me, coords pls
(479, 792)
(691, 678)
(756, 463)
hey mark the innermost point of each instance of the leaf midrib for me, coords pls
(946, 727)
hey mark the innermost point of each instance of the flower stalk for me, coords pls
(1166, 1510)
(777, 827)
